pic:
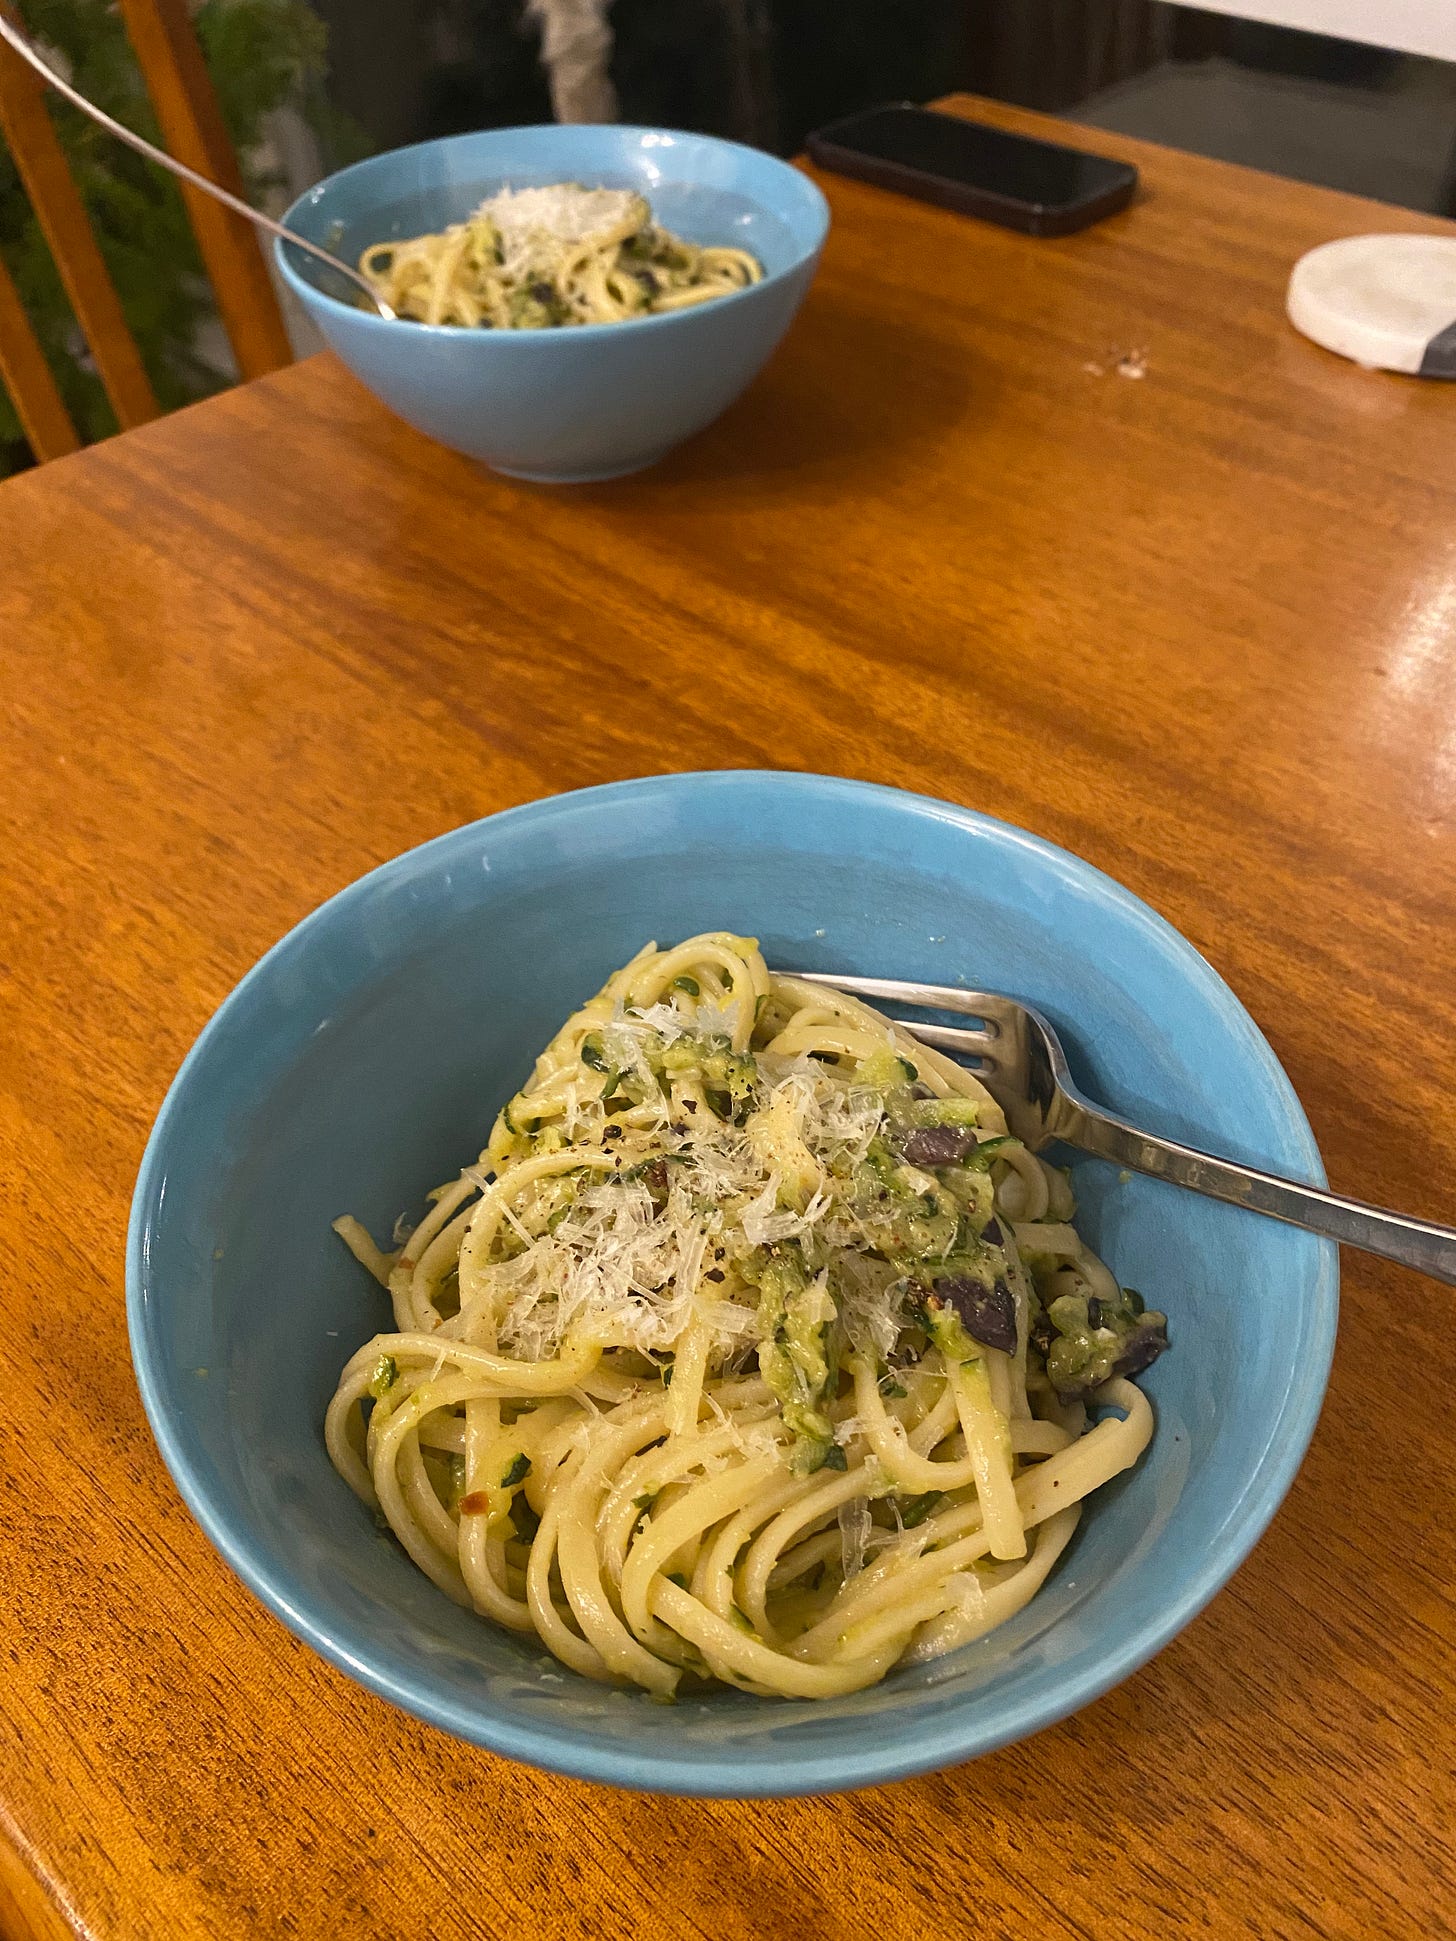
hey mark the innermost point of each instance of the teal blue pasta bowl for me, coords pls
(365, 1058)
(590, 401)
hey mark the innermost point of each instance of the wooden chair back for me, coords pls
(176, 77)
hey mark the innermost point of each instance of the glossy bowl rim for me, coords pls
(815, 202)
(884, 1751)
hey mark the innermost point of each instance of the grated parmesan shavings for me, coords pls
(562, 212)
(628, 1271)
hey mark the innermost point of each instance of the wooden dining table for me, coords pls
(1076, 532)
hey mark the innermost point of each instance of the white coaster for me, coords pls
(1388, 302)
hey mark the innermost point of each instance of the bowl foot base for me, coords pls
(591, 476)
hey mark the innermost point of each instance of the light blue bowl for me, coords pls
(588, 402)
(363, 1060)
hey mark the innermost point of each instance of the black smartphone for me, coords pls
(1035, 186)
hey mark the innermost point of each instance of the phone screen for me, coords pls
(1014, 166)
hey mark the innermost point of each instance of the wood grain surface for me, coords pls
(1198, 624)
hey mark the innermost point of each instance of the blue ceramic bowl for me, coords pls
(363, 1060)
(592, 401)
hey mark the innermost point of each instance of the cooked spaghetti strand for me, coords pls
(541, 258)
(752, 1349)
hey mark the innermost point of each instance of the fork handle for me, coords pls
(1421, 1244)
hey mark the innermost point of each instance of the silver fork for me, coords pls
(1021, 1063)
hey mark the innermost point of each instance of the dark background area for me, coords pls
(768, 71)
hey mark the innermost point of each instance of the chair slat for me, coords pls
(27, 378)
(31, 138)
(177, 79)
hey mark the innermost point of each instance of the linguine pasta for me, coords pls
(752, 1349)
(532, 259)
